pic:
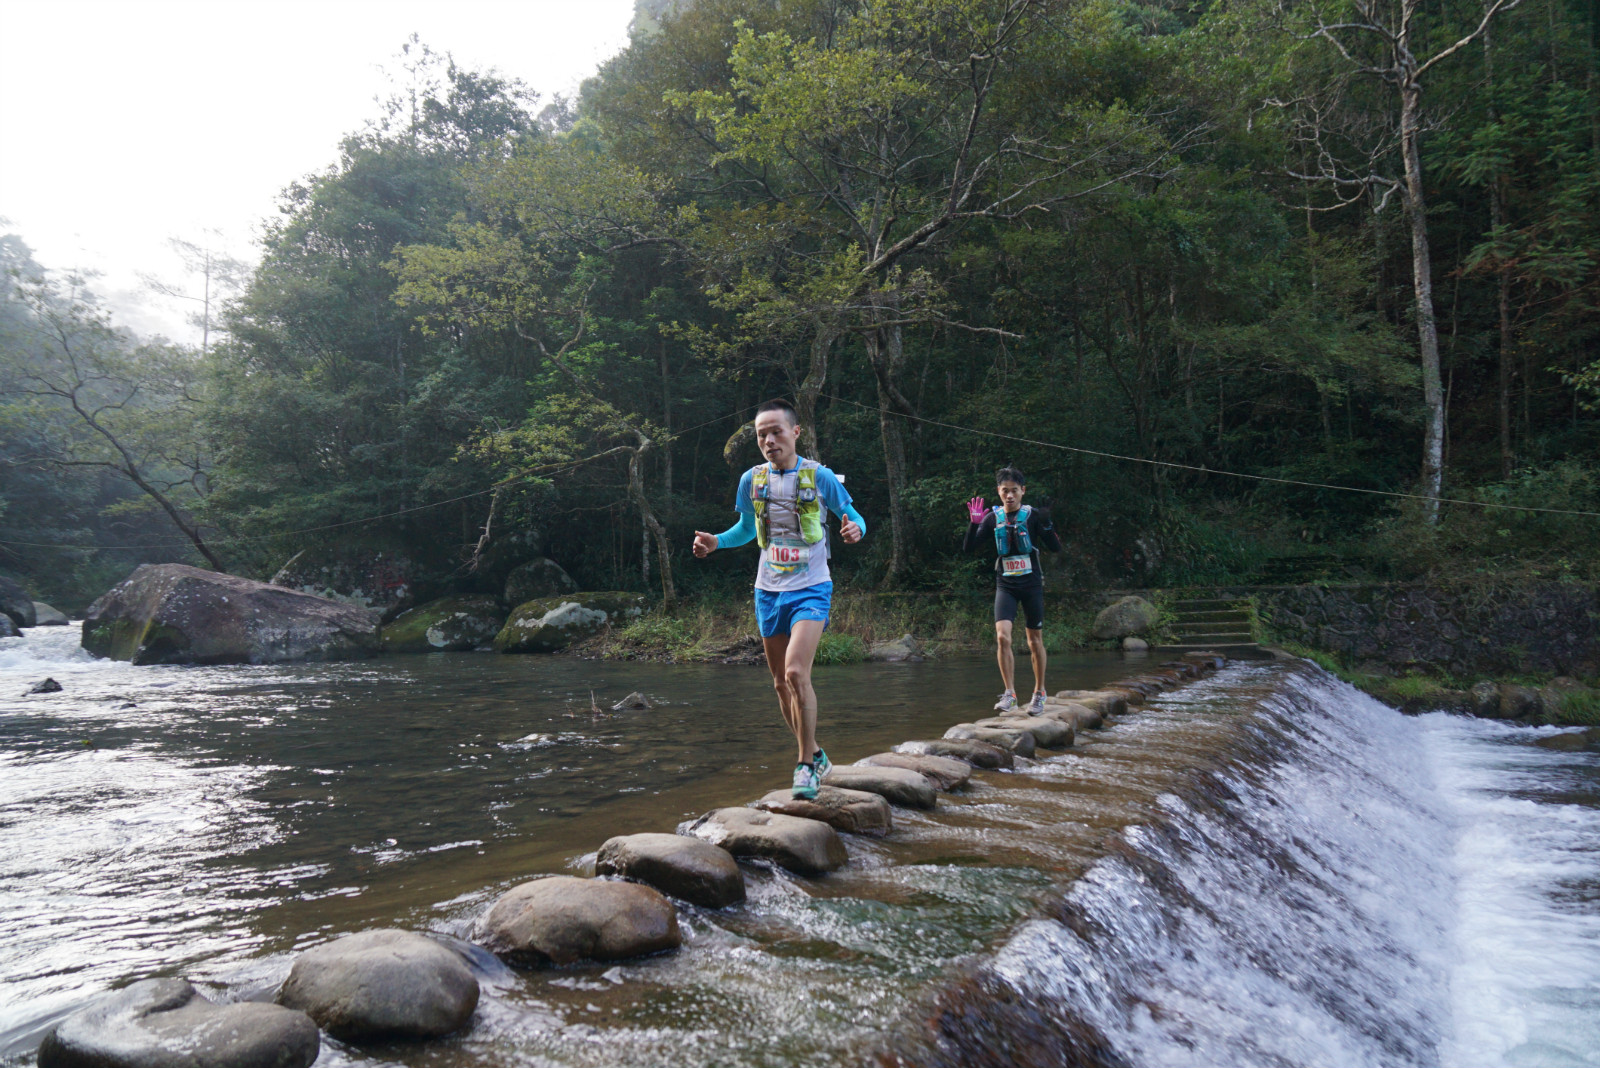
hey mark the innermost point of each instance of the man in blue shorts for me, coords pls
(783, 506)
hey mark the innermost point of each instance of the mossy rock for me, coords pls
(549, 624)
(448, 624)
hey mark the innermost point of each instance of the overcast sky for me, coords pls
(126, 122)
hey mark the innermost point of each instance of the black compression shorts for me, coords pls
(1031, 600)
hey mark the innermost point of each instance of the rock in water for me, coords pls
(685, 868)
(450, 623)
(1081, 716)
(538, 578)
(898, 786)
(807, 847)
(1105, 702)
(49, 617)
(562, 919)
(176, 614)
(947, 773)
(978, 754)
(552, 623)
(1130, 644)
(900, 650)
(45, 686)
(851, 811)
(382, 984)
(1131, 615)
(1020, 742)
(382, 580)
(633, 701)
(15, 603)
(156, 1023)
(1048, 731)
(8, 627)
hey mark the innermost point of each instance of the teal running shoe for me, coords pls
(822, 763)
(805, 782)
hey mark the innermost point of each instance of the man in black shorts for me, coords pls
(1019, 531)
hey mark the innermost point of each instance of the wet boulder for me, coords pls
(946, 773)
(898, 786)
(553, 623)
(383, 984)
(382, 580)
(682, 867)
(16, 604)
(1130, 615)
(1048, 731)
(562, 919)
(851, 811)
(1017, 741)
(1081, 716)
(177, 614)
(902, 649)
(1130, 644)
(803, 846)
(44, 686)
(1571, 741)
(8, 627)
(636, 701)
(538, 578)
(978, 754)
(1206, 660)
(448, 624)
(1106, 702)
(49, 617)
(157, 1023)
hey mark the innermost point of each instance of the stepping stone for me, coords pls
(947, 773)
(1208, 661)
(380, 985)
(897, 785)
(1020, 742)
(157, 1022)
(1081, 716)
(1048, 732)
(562, 919)
(1184, 668)
(851, 811)
(685, 868)
(806, 847)
(978, 754)
(1130, 696)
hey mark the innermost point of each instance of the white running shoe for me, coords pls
(1036, 706)
(1007, 702)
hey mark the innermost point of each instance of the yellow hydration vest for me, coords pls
(807, 505)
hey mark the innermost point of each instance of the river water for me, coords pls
(1265, 867)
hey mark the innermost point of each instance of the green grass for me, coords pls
(1581, 708)
(837, 648)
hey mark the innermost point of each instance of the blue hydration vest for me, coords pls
(1011, 541)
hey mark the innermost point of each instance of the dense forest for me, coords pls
(1140, 250)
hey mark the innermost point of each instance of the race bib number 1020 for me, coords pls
(1016, 565)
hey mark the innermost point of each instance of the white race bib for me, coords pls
(787, 555)
(1016, 566)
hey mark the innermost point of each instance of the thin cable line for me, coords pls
(1212, 470)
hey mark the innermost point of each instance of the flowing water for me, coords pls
(1265, 867)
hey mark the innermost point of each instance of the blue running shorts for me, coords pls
(777, 613)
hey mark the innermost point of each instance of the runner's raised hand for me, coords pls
(976, 509)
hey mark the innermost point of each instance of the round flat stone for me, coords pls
(681, 867)
(978, 754)
(803, 846)
(563, 919)
(851, 811)
(1020, 742)
(947, 773)
(898, 786)
(382, 984)
(1048, 732)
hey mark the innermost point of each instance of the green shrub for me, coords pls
(836, 648)
(1580, 708)
(659, 634)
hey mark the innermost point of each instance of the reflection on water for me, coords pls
(209, 822)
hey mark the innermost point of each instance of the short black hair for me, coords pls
(778, 404)
(1009, 474)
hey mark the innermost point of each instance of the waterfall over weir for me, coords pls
(1348, 886)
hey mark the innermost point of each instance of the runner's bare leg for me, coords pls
(1002, 653)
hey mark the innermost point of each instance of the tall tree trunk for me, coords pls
(653, 527)
(810, 388)
(666, 424)
(886, 353)
(1497, 214)
(1422, 287)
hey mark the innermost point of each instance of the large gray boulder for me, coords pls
(49, 617)
(562, 919)
(1015, 740)
(448, 624)
(803, 846)
(176, 614)
(15, 603)
(898, 786)
(1048, 732)
(682, 867)
(383, 580)
(165, 1023)
(1081, 716)
(382, 984)
(1131, 615)
(902, 649)
(538, 578)
(947, 773)
(851, 811)
(553, 623)
(978, 754)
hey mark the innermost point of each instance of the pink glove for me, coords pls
(976, 509)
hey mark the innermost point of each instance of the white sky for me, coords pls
(127, 122)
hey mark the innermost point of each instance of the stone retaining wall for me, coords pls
(1468, 630)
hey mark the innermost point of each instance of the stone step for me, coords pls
(1221, 613)
(1214, 624)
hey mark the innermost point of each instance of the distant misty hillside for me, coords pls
(647, 15)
